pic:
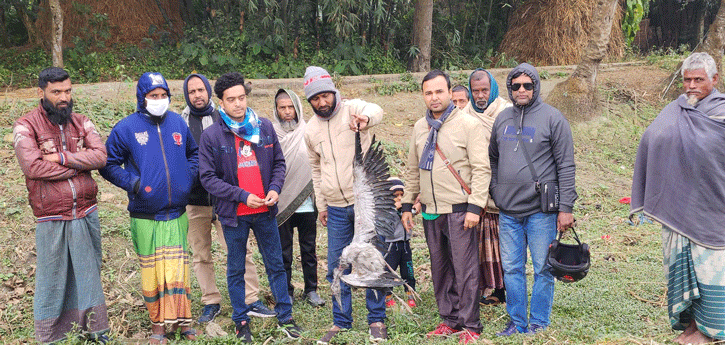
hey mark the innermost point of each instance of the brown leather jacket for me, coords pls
(56, 191)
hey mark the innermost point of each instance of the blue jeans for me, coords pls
(267, 235)
(537, 231)
(340, 230)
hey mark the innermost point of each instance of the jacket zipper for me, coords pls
(166, 165)
(70, 181)
(334, 162)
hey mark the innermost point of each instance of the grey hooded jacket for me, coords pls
(547, 137)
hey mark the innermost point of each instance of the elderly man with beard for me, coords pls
(152, 155)
(485, 106)
(200, 113)
(296, 205)
(330, 138)
(679, 179)
(57, 149)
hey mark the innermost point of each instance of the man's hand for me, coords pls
(322, 217)
(564, 221)
(271, 198)
(471, 220)
(356, 120)
(52, 157)
(254, 201)
(407, 219)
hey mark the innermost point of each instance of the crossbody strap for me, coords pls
(534, 175)
(448, 165)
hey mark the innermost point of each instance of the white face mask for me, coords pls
(157, 107)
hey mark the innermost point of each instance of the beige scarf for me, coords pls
(298, 180)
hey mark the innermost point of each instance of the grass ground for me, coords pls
(621, 301)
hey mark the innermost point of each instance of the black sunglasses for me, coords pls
(527, 86)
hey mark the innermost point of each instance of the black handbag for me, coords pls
(548, 190)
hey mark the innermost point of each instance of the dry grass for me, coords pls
(553, 32)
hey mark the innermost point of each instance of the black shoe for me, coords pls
(314, 299)
(243, 332)
(290, 329)
(209, 313)
(258, 309)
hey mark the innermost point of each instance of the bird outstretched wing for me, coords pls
(375, 212)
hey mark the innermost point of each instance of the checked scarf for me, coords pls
(426, 159)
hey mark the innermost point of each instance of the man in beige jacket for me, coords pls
(485, 105)
(448, 166)
(330, 138)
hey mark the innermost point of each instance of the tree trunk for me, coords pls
(3, 32)
(56, 33)
(577, 96)
(422, 31)
(34, 38)
(714, 44)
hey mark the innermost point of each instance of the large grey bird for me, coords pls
(375, 215)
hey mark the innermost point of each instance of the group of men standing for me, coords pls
(474, 170)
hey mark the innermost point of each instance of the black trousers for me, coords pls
(399, 254)
(306, 224)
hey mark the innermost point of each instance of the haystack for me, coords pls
(129, 21)
(553, 32)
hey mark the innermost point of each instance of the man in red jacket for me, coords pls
(56, 150)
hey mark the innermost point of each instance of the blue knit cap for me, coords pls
(147, 83)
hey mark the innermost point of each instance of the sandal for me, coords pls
(189, 334)
(158, 339)
(491, 301)
(329, 335)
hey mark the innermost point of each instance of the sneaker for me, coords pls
(329, 335)
(258, 309)
(389, 301)
(243, 332)
(441, 330)
(510, 330)
(314, 299)
(468, 336)
(378, 332)
(411, 300)
(534, 328)
(209, 313)
(290, 329)
(101, 338)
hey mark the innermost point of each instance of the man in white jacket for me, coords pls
(330, 138)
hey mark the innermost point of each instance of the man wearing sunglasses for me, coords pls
(531, 146)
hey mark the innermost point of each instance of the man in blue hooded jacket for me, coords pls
(534, 128)
(153, 157)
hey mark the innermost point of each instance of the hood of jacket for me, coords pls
(534, 75)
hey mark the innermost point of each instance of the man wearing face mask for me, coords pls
(152, 155)
(485, 105)
(330, 138)
(57, 149)
(200, 113)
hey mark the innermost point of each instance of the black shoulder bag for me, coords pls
(548, 190)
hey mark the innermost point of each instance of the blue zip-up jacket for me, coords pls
(218, 168)
(161, 156)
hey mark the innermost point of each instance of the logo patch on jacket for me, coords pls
(177, 138)
(142, 137)
(527, 134)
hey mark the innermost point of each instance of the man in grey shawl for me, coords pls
(296, 207)
(679, 181)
